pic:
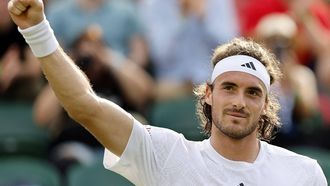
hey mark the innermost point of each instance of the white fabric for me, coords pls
(242, 63)
(40, 38)
(158, 156)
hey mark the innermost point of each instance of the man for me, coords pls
(174, 28)
(238, 111)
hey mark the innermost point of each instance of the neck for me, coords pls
(245, 149)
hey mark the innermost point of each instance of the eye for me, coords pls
(228, 87)
(253, 92)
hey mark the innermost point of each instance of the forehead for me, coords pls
(240, 79)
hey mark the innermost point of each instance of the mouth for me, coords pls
(237, 114)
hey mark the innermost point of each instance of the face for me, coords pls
(237, 101)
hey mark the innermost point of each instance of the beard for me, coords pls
(232, 131)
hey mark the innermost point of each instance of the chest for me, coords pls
(201, 170)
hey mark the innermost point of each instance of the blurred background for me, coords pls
(147, 56)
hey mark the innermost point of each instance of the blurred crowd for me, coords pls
(138, 53)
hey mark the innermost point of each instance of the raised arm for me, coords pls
(110, 124)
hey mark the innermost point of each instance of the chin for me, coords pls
(237, 129)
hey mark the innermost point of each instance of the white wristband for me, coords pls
(40, 38)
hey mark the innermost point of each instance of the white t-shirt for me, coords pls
(158, 156)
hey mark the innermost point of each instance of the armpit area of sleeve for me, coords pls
(121, 164)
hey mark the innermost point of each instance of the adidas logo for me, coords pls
(249, 65)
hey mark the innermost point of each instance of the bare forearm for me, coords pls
(46, 107)
(73, 90)
(30, 67)
(110, 124)
(70, 85)
(307, 98)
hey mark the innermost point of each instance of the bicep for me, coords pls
(110, 124)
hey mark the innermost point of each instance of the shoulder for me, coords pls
(162, 135)
(295, 166)
(286, 156)
(154, 134)
(169, 141)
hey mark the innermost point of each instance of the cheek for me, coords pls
(256, 107)
(219, 104)
(217, 99)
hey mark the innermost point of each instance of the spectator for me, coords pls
(181, 34)
(20, 75)
(298, 103)
(313, 46)
(250, 12)
(122, 31)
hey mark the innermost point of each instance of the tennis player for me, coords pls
(237, 110)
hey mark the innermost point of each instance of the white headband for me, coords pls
(242, 63)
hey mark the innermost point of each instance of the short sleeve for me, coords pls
(319, 178)
(144, 156)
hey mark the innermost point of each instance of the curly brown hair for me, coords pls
(269, 123)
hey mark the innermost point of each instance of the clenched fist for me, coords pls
(26, 13)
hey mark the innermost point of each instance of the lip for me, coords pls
(237, 114)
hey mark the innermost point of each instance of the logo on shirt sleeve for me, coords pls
(148, 127)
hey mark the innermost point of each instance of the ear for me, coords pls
(264, 109)
(208, 94)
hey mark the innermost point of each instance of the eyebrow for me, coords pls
(227, 83)
(257, 89)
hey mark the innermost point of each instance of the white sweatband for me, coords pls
(242, 63)
(40, 38)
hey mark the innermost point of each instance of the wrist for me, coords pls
(40, 38)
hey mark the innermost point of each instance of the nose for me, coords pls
(239, 101)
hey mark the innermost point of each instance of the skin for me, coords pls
(110, 124)
(237, 101)
(234, 134)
